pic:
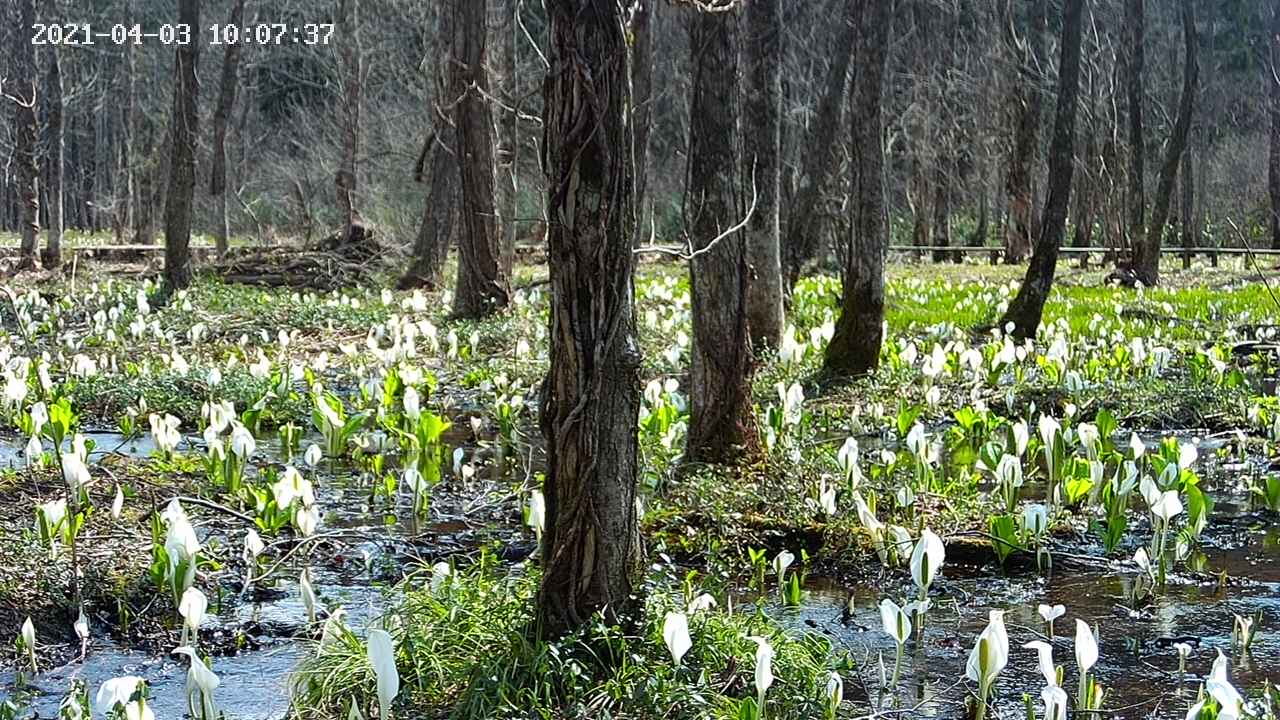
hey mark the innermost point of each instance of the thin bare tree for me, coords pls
(183, 131)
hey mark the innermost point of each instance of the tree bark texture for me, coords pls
(55, 154)
(805, 220)
(183, 130)
(643, 18)
(1135, 32)
(1147, 253)
(346, 179)
(482, 287)
(506, 129)
(227, 86)
(591, 399)
(1028, 306)
(722, 424)
(438, 167)
(763, 170)
(855, 347)
(1273, 165)
(24, 117)
(1030, 52)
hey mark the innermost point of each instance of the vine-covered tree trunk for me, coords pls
(763, 169)
(482, 287)
(227, 85)
(1028, 306)
(804, 221)
(1135, 38)
(1273, 166)
(346, 179)
(855, 347)
(24, 117)
(54, 155)
(183, 128)
(438, 167)
(1147, 253)
(1029, 52)
(721, 423)
(591, 400)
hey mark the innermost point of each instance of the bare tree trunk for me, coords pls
(439, 163)
(1135, 31)
(506, 130)
(591, 546)
(144, 212)
(53, 162)
(347, 179)
(722, 424)
(855, 347)
(642, 21)
(1147, 254)
(1273, 165)
(1188, 180)
(28, 171)
(1028, 306)
(942, 207)
(128, 204)
(183, 128)
(1019, 186)
(482, 287)
(227, 86)
(804, 221)
(763, 170)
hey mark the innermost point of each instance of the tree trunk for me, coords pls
(763, 170)
(144, 210)
(482, 287)
(506, 130)
(1028, 306)
(1018, 183)
(1135, 31)
(1147, 254)
(804, 224)
(128, 204)
(642, 23)
(28, 171)
(54, 161)
(722, 423)
(855, 347)
(183, 128)
(346, 180)
(591, 545)
(227, 86)
(1188, 181)
(439, 163)
(942, 207)
(1273, 166)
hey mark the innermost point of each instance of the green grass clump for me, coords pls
(464, 650)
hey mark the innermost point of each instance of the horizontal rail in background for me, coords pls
(970, 249)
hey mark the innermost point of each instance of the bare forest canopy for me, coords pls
(968, 101)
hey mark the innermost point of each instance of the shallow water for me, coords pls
(1138, 665)
(375, 541)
